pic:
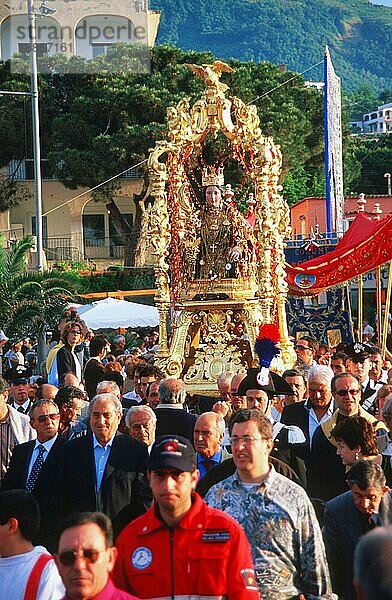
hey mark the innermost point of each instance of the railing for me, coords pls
(98, 247)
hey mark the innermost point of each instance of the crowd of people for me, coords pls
(115, 484)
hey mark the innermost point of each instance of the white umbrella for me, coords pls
(112, 314)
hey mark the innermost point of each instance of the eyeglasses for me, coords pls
(343, 393)
(247, 440)
(68, 557)
(301, 347)
(44, 418)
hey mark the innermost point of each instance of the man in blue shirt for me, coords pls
(207, 438)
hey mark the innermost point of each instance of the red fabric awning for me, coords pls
(366, 245)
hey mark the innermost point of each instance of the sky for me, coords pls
(383, 2)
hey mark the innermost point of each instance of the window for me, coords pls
(99, 49)
(94, 230)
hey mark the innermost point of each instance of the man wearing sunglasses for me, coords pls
(305, 348)
(86, 557)
(326, 471)
(34, 465)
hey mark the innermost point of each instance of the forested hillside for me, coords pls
(289, 32)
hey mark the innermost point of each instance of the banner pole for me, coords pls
(360, 307)
(386, 319)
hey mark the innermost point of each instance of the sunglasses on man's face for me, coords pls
(301, 347)
(44, 418)
(343, 393)
(68, 557)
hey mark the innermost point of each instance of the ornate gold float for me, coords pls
(220, 273)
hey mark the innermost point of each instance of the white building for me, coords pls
(85, 28)
(379, 120)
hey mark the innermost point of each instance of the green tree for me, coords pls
(97, 125)
(29, 302)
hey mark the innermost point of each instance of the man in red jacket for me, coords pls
(181, 547)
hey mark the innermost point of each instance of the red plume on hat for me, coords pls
(266, 349)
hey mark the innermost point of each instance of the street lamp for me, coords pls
(36, 133)
(388, 176)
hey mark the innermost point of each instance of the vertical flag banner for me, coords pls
(333, 148)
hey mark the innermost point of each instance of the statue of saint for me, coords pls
(224, 238)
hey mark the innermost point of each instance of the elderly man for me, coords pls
(26, 571)
(358, 363)
(141, 423)
(119, 346)
(326, 470)
(368, 504)
(47, 391)
(182, 548)
(104, 469)
(373, 565)
(270, 508)
(34, 465)
(310, 413)
(14, 428)
(170, 412)
(224, 385)
(297, 382)
(207, 440)
(86, 557)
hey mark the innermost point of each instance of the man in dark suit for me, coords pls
(34, 465)
(172, 418)
(326, 470)
(368, 504)
(310, 413)
(207, 439)
(104, 470)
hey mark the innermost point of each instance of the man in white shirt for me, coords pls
(20, 561)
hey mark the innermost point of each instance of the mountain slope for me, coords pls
(290, 32)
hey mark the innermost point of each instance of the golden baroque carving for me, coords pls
(257, 281)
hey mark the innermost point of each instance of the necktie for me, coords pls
(371, 522)
(21, 409)
(39, 461)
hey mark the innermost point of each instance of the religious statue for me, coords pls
(224, 237)
(218, 272)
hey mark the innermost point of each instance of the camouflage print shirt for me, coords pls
(284, 534)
